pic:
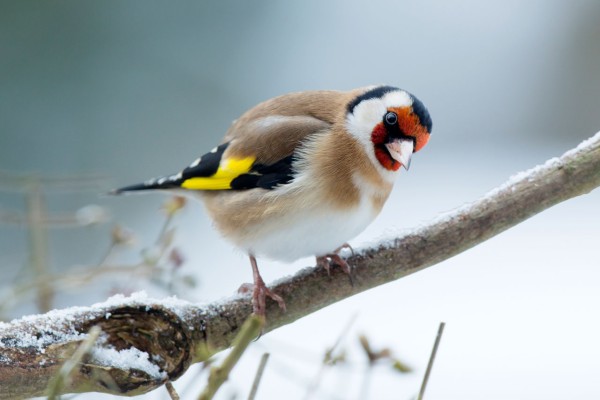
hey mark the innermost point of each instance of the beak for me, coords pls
(401, 150)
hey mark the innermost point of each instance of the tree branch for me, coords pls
(154, 341)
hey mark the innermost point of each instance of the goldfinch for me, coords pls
(303, 173)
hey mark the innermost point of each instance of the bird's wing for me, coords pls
(257, 153)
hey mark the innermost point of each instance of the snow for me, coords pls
(141, 298)
(41, 324)
(585, 144)
(127, 359)
(56, 326)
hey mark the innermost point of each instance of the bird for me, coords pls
(303, 173)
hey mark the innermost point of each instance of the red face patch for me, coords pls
(384, 158)
(379, 134)
(409, 124)
(379, 138)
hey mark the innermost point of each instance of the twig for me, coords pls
(431, 360)
(192, 329)
(38, 244)
(343, 333)
(258, 377)
(328, 356)
(171, 390)
(11, 182)
(77, 277)
(62, 378)
(109, 251)
(218, 375)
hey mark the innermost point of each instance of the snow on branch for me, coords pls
(147, 342)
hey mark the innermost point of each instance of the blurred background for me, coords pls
(95, 95)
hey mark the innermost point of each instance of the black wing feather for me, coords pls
(266, 176)
(207, 166)
(260, 175)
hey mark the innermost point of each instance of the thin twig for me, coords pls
(38, 244)
(218, 375)
(81, 276)
(109, 251)
(11, 182)
(343, 333)
(258, 377)
(328, 356)
(431, 360)
(171, 390)
(67, 368)
(76, 277)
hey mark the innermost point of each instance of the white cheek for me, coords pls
(360, 124)
(366, 115)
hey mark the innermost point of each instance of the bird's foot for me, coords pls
(260, 292)
(334, 258)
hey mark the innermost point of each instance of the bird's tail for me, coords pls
(162, 183)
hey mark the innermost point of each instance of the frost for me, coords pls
(586, 143)
(60, 326)
(137, 299)
(280, 280)
(46, 330)
(127, 360)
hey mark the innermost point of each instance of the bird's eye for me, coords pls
(390, 118)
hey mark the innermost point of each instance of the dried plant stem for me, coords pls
(74, 278)
(67, 368)
(171, 390)
(438, 338)
(258, 376)
(47, 283)
(314, 385)
(38, 244)
(218, 375)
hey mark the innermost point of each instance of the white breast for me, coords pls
(310, 232)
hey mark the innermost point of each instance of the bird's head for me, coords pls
(392, 124)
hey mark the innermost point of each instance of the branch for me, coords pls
(147, 342)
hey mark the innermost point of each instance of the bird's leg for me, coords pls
(334, 258)
(260, 292)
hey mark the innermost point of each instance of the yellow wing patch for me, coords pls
(229, 169)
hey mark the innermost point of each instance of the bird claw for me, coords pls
(260, 292)
(327, 260)
(259, 299)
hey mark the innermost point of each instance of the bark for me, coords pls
(178, 334)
